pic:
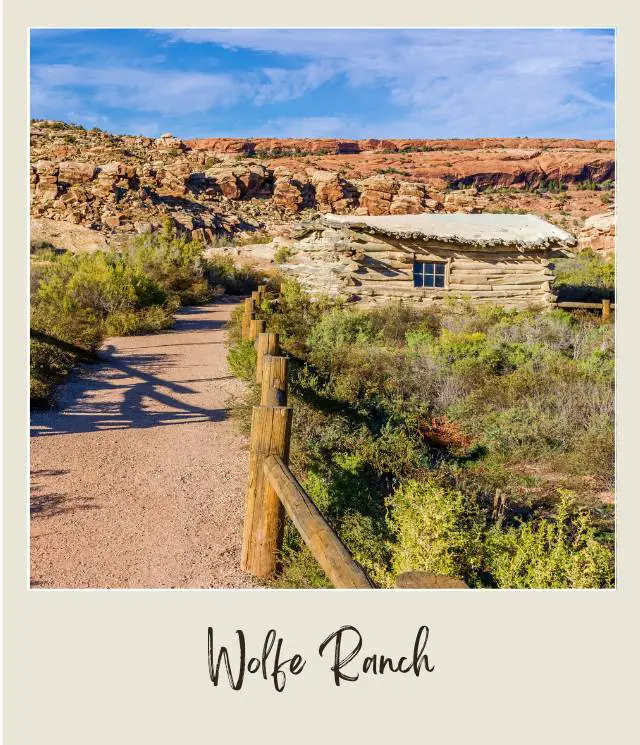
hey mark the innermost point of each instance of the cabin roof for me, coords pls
(483, 230)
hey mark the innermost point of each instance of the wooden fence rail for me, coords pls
(605, 306)
(272, 488)
(323, 542)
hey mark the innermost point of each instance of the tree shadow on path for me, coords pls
(48, 504)
(122, 392)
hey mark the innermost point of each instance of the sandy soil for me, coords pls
(138, 479)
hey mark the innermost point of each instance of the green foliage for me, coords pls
(436, 530)
(283, 254)
(172, 262)
(221, 272)
(562, 552)
(242, 360)
(587, 271)
(409, 420)
(81, 298)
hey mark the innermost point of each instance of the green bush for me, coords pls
(562, 552)
(283, 254)
(587, 275)
(436, 530)
(242, 360)
(81, 298)
(408, 421)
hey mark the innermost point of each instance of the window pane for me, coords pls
(428, 274)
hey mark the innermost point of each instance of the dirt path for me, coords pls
(138, 478)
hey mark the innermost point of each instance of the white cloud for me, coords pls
(173, 92)
(162, 91)
(425, 83)
(450, 82)
(285, 84)
(307, 126)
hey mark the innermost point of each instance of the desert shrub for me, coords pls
(296, 315)
(80, 298)
(48, 364)
(222, 273)
(298, 568)
(408, 421)
(145, 321)
(173, 262)
(283, 254)
(587, 275)
(252, 237)
(242, 360)
(395, 320)
(561, 552)
(436, 530)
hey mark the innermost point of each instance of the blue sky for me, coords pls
(424, 83)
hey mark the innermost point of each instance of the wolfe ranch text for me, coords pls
(342, 650)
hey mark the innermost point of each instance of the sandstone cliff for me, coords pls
(111, 187)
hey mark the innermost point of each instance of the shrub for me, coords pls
(242, 360)
(221, 272)
(283, 254)
(171, 261)
(252, 237)
(145, 321)
(408, 421)
(586, 275)
(80, 298)
(436, 530)
(562, 552)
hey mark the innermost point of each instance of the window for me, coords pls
(428, 274)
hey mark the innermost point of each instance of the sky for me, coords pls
(344, 83)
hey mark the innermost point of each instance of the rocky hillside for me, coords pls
(91, 188)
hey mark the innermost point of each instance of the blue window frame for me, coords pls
(428, 274)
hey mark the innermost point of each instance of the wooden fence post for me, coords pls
(274, 381)
(247, 316)
(606, 309)
(256, 327)
(266, 343)
(264, 515)
(324, 543)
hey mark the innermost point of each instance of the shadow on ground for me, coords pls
(126, 389)
(54, 503)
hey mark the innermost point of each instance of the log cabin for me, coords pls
(501, 258)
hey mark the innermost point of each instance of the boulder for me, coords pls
(287, 196)
(75, 172)
(465, 200)
(46, 168)
(598, 233)
(167, 142)
(406, 205)
(333, 193)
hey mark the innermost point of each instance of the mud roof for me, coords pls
(481, 231)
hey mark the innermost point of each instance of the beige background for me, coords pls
(130, 666)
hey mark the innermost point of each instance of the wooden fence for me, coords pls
(273, 490)
(605, 307)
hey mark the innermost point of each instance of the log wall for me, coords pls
(507, 275)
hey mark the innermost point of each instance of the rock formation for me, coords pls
(123, 185)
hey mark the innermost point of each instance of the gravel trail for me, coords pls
(138, 477)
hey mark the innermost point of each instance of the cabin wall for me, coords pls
(371, 271)
(508, 276)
